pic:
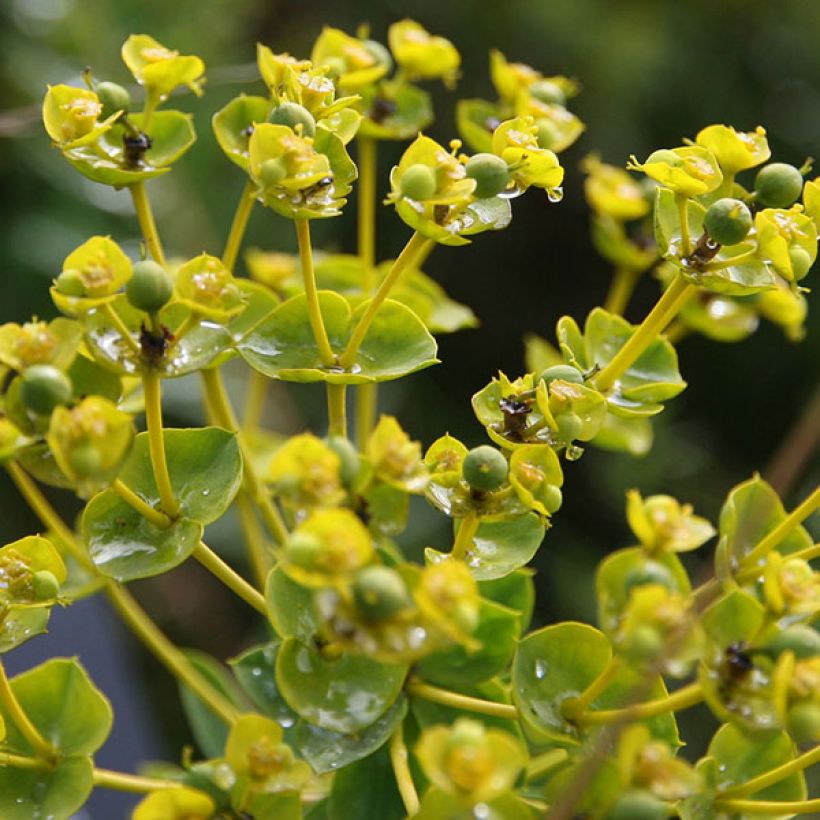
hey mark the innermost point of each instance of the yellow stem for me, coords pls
(232, 579)
(546, 762)
(683, 213)
(469, 704)
(367, 162)
(414, 246)
(256, 392)
(156, 443)
(682, 699)
(191, 321)
(464, 537)
(784, 528)
(33, 764)
(620, 290)
(575, 708)
(158, 518)
(317, 323)
(401, 769)
(135, 784)
(336, 409)
(778, 807)
(42, 748)
(367, 402)
(239, 225)
(145, 216)
(666, 308)
(258, 551)
(762, 781)
(121, 327)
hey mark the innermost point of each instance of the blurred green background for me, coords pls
(653, 71)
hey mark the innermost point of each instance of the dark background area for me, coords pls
(653, 71)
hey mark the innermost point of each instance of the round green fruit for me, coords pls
(418, 182)
(272, 172)
(546, 91)
(570, 426)
(348, 458)
(564, 372)
(490, 174)
(801, 261)
(728, 221)
(484, 468)
(113, 98)
(70, 283)
(551, 497)
(150, 286)
(645, 643)
(43, 387)
(778, 185)
(292, 114)
(303, 549)
(638, 805)
(45, 585)
(801, 639)
(379, 593)
(548, 133)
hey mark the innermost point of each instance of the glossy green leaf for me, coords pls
(396, 344)
(346, 694)
(172, 134)
(89, 378)
(366, 789)
(205, 466)
(515, 591)
(291, 607)
(64, 705)
(233, 125)
(55, 794)
(497, 631)
(394, 111)
(500, 547)
(22, 623)
(38, 460)
(127, 546)
(387, 508)
(734, 618)
(256, 672)
(628, 435)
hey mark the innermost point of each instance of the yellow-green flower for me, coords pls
(272, 67)
(208, 288)
(536, 476)
(178, 803)
(159, 69)
(611, 191)
(20, 561)
(348, 58)
(788, 240)
(811, 200)
(662, 524)
(557, 128)
(421, 55)
(396, 459)
(443, 460)
(24, 345)
(735, 150)
(270, 268)
(470, 761)
(516, 142)
(784, 307)
(301, 166)
(306, 473)
(447, 596)
(690, 170)
(510, 79)
(71, 116)
(790, 586)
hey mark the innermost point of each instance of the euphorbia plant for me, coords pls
(390, 688)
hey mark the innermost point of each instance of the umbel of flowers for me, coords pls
(402, 687)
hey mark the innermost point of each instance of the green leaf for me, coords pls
(90, 379)
(476, 121)
(281, 806)
(232, 126)
(516, 591)
(394, 111)
(38, 460)
(628, 435)
(500, 547)
(346, 694)
(54, 794)
(127, 546)
(734, 618)
(560, 662)
(64, 705)
(668, 224)
(172, 134)
(396, 344)
(387, 508)
(439, 805)
(205, 466)
(366, 789)
(256, 672)
(208, 728)
(497, 631)
(22, 623)
(291, 607)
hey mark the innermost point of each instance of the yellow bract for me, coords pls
(179, 803)
(20, 560)
(447, 596)
(395, 459)
(306, 472)
(100, 265)
(510, 79)
(516, 142)
(791, 586)
(421, 55)
(611, 191)
(160, 69)
(788, 240)
(735, 150)
(71, 116)
(24, 345)
(348, 58)
(207, 287)
(272, 67)
(270, 268)
(303, 165)
(690, 170)
(661, 523)
(453, 187)
(811, 200)
(784, 307)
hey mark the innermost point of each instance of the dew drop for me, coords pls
(540, 670)
(555, 194)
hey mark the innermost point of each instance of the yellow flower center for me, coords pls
(34, 344)
(469, 766)
(266, 758)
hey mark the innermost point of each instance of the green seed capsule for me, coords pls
(548, 133)
(113, 98)
(546, 91)
(803, 720)
(150, 287)
(551, 497)
(645, 643)
(490, 174)
(418, 182)
(85, 460)
(728, 221)
(564, 372)
(778, 185)
(348, 456)
(43, 387)
(379, 593)
(272, 172)
(570, 426)
(650, 572)
(303, 549)
(293, 114)
(638, 805)
(45, 585)
(484, 468)
(666, 156)
(70, 283)
(801, 262)
(801, 639)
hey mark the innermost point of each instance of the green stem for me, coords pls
(777, 807)
(158, 518)
(367, 405)
(42, 748)
(258, 552)
(666, 308)
(762, 781)
(464, 537)
(809, 554)
(456, 701)
(414, 246)
(368, 163)
(575, 708)
(401, 769)
(255, 395)
(132, 783)
(731, 262)
(336, 409)
(317, 323)
(148, 226)
(118, 323)
(682, 202)
(240, 223)
(682, 699)
(784, 528)
(31, 764)
(232, 579)
(546, 762)
(156, 443)
(620, 290)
